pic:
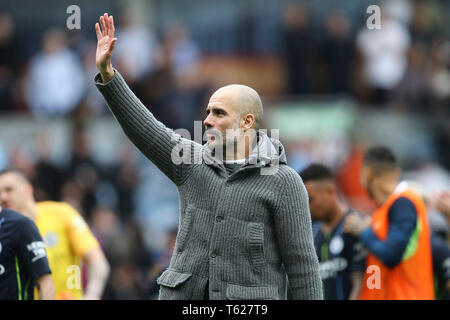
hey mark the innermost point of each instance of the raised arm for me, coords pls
(157, 142)
(105, 47)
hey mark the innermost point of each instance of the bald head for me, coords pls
(16, 191)
(16, 173)
(243, 99)
(234, 114)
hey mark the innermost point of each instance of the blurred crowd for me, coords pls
(403, 66)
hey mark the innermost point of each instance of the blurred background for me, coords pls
(328, 83)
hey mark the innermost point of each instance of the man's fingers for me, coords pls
(103, 23)
(97, 31)
(349, 221)
(111, 26)
(107, 24)
(105, 17)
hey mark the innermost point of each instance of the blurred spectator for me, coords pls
(413, 92)
(431, 175)
(297, 43)
(55, 83)
(441, 201)
(82, 174)
(72, 194)
(137, 49)
(9, 61)
(160, 264)
(436, 219)
(156, 206)
(341, 256)
(338, 52)
(440, 78)
(441, 266)
(117, 239)
(443, 142)
(168, 75)
(425, 22)
(22, 159)
(126, 180)
(124, 283)
(175, 87)
(184, 55)
(438, 204)
(124, 249)
(384, 53)
(156, 92)
(348, 180)
(400, 10)
(47, 177)
(439, 233)
(93, 101)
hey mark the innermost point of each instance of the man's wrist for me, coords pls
(107, 73)
(364, 233)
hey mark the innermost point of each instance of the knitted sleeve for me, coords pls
(161, 145)
(294, 232)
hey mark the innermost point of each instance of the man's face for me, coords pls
(366, 178)
(14, 191)
(321, 197)
(221, 115)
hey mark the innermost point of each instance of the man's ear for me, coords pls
(248, 121)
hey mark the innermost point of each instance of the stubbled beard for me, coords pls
(217, 141)
(226, 145)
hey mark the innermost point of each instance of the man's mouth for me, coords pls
(5, 205)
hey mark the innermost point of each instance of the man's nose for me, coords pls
(208, 122)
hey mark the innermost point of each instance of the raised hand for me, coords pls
(105, 46)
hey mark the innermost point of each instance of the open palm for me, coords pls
(105, 42)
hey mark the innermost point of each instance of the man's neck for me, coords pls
(31, 211)
(241, 151)
(335, 216)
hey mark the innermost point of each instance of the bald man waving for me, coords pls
(244, 216)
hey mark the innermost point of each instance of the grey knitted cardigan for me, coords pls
(238, 234)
